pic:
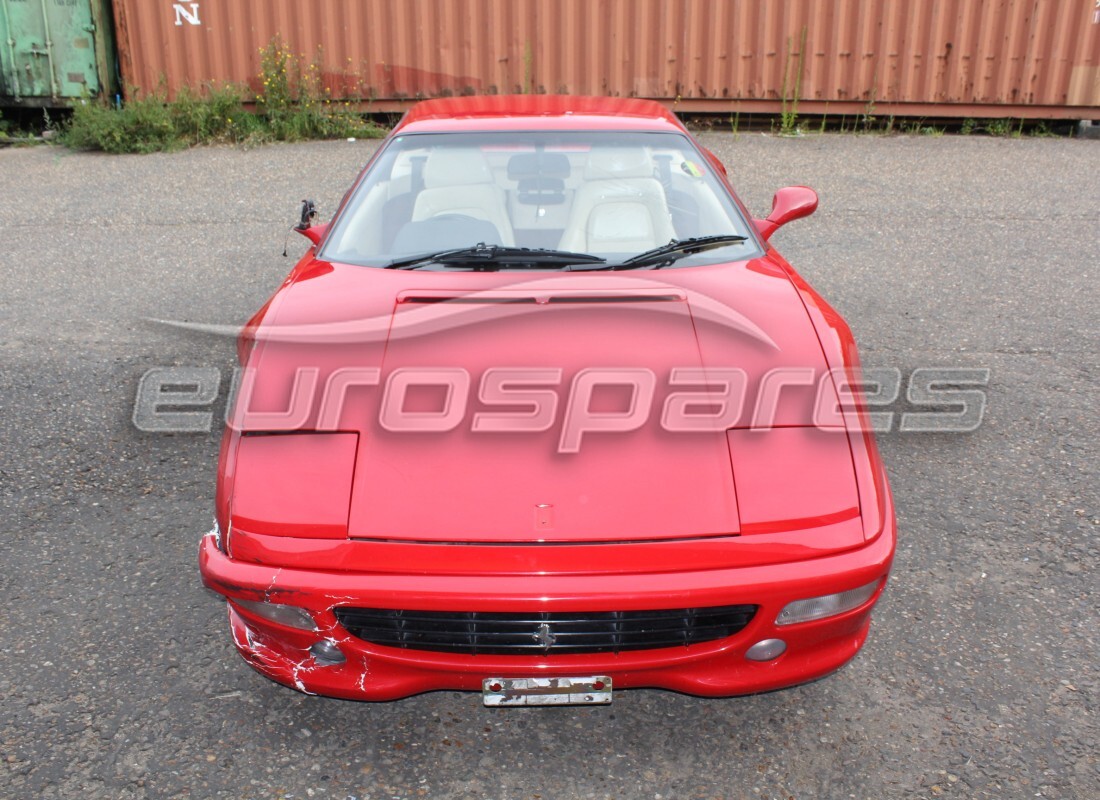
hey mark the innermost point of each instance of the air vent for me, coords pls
(615, 298)
(466, 299)
(543, 633)
(550, 297)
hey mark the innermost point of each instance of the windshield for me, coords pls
(609, 194)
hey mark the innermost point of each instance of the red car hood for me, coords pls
(465, 484)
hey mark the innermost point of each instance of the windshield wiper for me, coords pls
(491, 257)
(673, 251)
(677, 249)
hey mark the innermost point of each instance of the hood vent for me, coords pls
(616, 298)
(465, 299)
(554, 298)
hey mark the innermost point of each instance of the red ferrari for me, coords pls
(542, 414)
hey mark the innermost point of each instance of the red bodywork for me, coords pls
(325, 509)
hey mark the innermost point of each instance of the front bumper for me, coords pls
(719, 668)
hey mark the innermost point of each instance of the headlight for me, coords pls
(291, 616)
(828, 605)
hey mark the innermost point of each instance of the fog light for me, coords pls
(828, 605)
(291, 616)
(327, 654)
(766, 650)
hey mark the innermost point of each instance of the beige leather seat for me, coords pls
(620, 207)
(459, 181)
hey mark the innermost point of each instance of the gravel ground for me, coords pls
(979, 680)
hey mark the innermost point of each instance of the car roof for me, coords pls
(537, 112)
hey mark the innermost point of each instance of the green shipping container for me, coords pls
(55, 51)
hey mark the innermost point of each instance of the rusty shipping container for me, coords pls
(992, 58)
(53, 53)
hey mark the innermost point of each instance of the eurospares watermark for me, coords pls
(541, 400)
(567, 398)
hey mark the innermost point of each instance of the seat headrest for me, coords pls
(618, 162)
(454, 166)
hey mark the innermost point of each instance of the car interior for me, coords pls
(604, 200)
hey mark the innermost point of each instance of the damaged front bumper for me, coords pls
(328, 660)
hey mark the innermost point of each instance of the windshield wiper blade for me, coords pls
(491, 256)
(677, 249)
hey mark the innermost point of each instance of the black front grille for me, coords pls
(543, 633)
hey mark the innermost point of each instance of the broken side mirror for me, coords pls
(305, 224)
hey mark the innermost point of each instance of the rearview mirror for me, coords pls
(788, 204)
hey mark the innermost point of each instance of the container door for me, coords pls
(48, 48)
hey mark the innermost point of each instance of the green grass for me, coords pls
(291, 106)
(1004, 128)
(152, 124)
(999, 127)
(792, 90)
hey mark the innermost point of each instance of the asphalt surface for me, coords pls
(117, 676)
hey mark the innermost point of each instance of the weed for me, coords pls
(968, 126)
(13, 133)
(867, 118)
(788, 118)
(298, 105)
(292, 104)
(144, 125)
(528, 68)
(999, 127)
(918, 128)
(216, 116)
(1042, 130)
